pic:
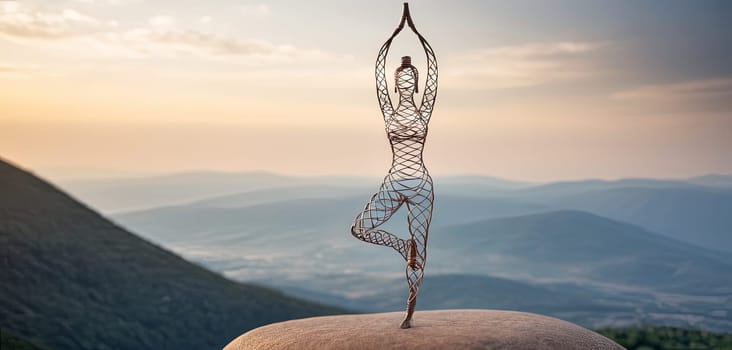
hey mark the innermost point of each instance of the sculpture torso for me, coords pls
(406, 129)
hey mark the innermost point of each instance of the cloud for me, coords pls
(162, 40)
(19, 21)
(8, 68)
(105, 2)
(532, 50)
(523, 65)
(335, 77)
(161, 36)
(700, 97)
(258, 10)
(680, 91)
(168, 41)
(162, 22)
(16, 71)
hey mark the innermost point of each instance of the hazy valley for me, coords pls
(600, 253)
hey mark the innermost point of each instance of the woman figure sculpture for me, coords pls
(408, 181)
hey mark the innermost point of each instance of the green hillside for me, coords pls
(664, 338)
(11, 342)
(74, 280)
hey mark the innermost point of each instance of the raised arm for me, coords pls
(429, 93)
(382, 87)
(382, 90)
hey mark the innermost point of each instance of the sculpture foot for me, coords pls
(407, 323)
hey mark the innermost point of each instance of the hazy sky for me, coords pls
(534, 90)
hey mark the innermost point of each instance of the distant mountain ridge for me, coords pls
(574, 265)
(694, 210)
(73, 280)
(140, 193)
(606, 238)
(144, 192)
(624, 270)
(698, 215)
(717, 180)
(584, 245)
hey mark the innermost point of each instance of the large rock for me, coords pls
(443, 329)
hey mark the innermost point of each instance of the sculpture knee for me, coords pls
(357, 229)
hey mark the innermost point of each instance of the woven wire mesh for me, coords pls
(408, 181)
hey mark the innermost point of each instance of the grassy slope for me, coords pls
(74, 280)
(664, 338)
(11, 342)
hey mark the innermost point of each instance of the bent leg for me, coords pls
(378, 210)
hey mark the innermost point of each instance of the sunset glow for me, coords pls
(528, 90)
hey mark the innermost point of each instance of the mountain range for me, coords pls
(599, 253)
(605, 243)
(694, 210)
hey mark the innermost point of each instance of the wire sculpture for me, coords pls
(408, 180)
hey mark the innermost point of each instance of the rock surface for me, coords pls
(440, 329)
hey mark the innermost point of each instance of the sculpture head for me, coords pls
(406, 78)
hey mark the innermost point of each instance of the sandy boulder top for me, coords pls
(442, 329)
